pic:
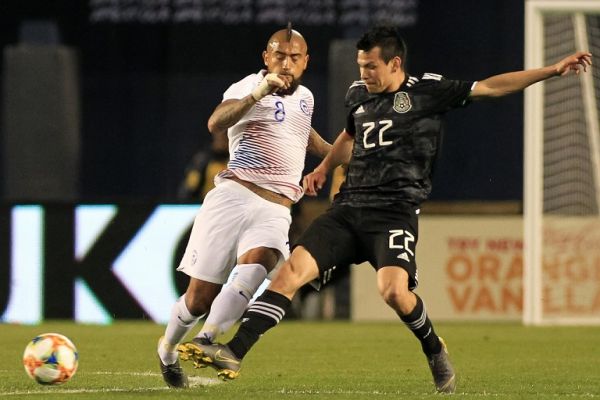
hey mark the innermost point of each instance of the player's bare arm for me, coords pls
(317, 146)
(511, 82)
(229, 112)
(340, 153)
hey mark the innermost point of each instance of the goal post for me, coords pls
(561, 274)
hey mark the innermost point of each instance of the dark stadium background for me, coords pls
(146, 91)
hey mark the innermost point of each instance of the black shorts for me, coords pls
(351, 235)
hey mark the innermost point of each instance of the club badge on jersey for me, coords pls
(402, 102)
(304, 107)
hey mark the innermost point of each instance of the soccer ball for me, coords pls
(50, 359)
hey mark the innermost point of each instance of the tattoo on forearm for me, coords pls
(230, 114)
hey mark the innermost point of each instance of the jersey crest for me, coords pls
(402, 102)
(304, 107)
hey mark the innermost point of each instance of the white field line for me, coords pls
(80, 391)
(406, 394)
(283, 391)
(194, 381)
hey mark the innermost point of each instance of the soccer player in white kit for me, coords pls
(244, 221)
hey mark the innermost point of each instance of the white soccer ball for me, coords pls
(50, 358)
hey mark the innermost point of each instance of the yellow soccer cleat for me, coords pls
(215, 355)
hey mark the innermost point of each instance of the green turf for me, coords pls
(340, 360)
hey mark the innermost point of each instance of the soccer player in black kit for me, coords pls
(390, 141)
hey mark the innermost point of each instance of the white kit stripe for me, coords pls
(420, 321)
(435, 77)
(267, 313)
(274, 310)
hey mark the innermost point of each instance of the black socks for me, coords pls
(418, 322)
(262, 315)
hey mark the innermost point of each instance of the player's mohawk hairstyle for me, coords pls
(289, 31)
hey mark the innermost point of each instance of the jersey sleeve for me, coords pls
(447, 94)
(356, 95)
(240, 89)
(350, 127)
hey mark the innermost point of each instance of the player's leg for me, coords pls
(263, 245)
(185, 313)
(232, 301)
(262, 315)
(270, 307)
(208, 260)
(265, 313)
(393, 283)
(326, 243)
(393, 238)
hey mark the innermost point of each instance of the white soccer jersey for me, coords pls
(268, 145)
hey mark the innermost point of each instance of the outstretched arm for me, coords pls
(340, 153)
(503, 84)
(317, 146)
(229, 112)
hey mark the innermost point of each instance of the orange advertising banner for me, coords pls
(471, 268)
(571, 267)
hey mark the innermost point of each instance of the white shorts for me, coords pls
(231, 221)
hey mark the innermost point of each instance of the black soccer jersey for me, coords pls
(396, 138)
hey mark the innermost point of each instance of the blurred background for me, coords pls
(107, 100)
(105, 154)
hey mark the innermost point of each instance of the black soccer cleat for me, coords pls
(215, 355)
(173, 373)
(444, 377)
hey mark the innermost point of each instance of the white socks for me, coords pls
(226, 309)
(180, 323)
(231, 303)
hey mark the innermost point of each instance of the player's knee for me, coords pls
(298, 270)
(200, 295)
(198, 303)
(267, 257)
(303, 266)
(395, 297)
(286, 280)
(295, 271)
(390, 297)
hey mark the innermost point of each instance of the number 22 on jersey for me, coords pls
(369, 141)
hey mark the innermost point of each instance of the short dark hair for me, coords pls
(388, 39)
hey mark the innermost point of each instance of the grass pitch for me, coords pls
(329, 360)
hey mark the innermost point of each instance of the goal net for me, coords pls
(562, 168)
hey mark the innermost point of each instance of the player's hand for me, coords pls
(575, 62)
(314, 182)
(271, 83)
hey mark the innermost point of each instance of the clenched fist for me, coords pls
(270, 84)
